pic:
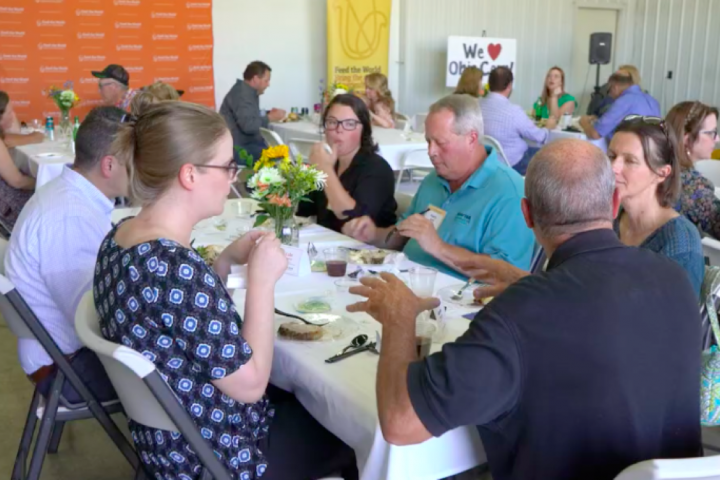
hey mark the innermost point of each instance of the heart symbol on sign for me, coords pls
(494, 50)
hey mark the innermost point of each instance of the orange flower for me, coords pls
(283, 201)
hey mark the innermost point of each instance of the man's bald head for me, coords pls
(569, 186)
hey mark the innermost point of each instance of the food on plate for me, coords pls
(209, 253)
(300, 331)
(313, 305)
(483, 301)
(368, 257)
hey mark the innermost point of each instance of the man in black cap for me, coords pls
(114, 85)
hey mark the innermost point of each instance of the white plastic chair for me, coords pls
(703, 468)
(271, 137)
(143, 392)
(401, 121)
(301, 146)
(489, 141)
(709, 169)
(711, 250)
(412, 160)
(403, 200)
(419, 122)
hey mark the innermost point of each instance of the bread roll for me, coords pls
(300, 331)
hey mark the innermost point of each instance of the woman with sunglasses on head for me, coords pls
(693, 126)
(156, 295)
(360, 182)
(647, 179)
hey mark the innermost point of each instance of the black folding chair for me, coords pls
(54, 411)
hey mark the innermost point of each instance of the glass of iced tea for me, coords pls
(335, 261)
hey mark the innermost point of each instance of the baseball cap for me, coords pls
(114, 72)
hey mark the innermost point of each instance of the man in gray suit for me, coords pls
(241, 109)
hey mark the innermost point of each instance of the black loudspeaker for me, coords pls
(600, 48)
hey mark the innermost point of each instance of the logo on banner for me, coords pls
(166, 79)
(197, 5)
(13, 11)
(11, 34)
(128, 48)
(481, 52)
(165, 36)
(127, 3)
(13, 57)
(85, 80)
(128, 25)
(199, 48)
(199, 68)
(52, 46)
(21, 103)
(89, 13)
(169, 15)
(15, 80)
(208, 88)
(199, 26)
(50, 23)
(91, 36)
(49, 1)
(44, 69)
(134, 69)
(370, 30)
(91, 58)
(165, 58)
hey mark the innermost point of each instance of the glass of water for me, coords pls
(422, 281)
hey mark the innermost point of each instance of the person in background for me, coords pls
(629, 100)
(52, 252)
(693, 127)
(470, 83)
(600, 103)
(152, 94)
(181, 168)
(16, 188)
(114, 85)
(580, 348)
(241, 110)
(479, 194)
(554, 100)
(509, 124)
(10, 126)
(359, 181)
(380, 100)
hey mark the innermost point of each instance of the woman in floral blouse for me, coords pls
(693, 126)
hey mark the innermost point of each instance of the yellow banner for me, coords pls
(358, 38)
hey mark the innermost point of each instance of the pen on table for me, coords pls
(394, 230)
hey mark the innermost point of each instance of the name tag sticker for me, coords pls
(435, 215)
(463, 218)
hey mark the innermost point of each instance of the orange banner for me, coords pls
(50, 42)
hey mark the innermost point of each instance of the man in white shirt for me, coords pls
(53, 250)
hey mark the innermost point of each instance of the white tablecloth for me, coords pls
(558, 134)
(341, 396)
(393, 143)
(44, 161)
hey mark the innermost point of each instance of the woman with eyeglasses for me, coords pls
(156, 295)
(360, 182)
(647, 179)
(694, 129)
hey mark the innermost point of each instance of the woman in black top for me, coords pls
(360, 182)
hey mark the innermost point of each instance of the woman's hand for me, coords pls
(267, 261)
(238, 252)
(321, 158)
(557, 92)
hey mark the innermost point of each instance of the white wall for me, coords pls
(288, 35)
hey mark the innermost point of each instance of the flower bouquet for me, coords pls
(65, 99)
(279, 185)
(327, 94)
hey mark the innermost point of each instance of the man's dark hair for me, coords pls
(621, 80)
(256, 69)
(500, 79)
(95, 136)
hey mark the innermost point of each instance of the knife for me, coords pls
(342, 356)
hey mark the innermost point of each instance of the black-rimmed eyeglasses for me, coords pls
(348, 124)
(232, 168)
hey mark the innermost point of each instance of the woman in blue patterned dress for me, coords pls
(155, 294)
(694, 129)
(647, 178)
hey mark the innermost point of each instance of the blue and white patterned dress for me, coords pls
(161, 299)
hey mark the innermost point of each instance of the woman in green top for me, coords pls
(554, 101)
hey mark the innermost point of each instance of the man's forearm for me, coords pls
(589, 130)
(389, 238)
(451, 255)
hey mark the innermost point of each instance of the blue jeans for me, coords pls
(522, 165)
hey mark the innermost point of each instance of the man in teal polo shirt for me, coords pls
(479, 194)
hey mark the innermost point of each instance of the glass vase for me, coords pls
(286, 228)
(65, 126)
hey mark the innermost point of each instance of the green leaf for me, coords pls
(260, 220)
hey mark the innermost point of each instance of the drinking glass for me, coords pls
(335, 261)
(422, 281)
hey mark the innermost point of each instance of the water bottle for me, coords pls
(50, 129)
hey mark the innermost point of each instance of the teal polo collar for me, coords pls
(488, 168)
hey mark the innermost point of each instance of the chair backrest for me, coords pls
(301, 146)
(417, 158)
(144, 394)
(403, 201)
(711, 250)
(419, 122)
(271, 137)
(539, 259)
(709, 169)
(491, 142)
(14, 319)
(703, 468)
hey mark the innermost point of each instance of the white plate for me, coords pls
(467, 300)
(339, 328)
(49, 155)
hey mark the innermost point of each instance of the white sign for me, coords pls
(298, 261)
(482, 52)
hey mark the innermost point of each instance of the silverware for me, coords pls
(459, 294)
(365, 348)
(311, 250)
(355, 274)
(356, 342)
(297, 317)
